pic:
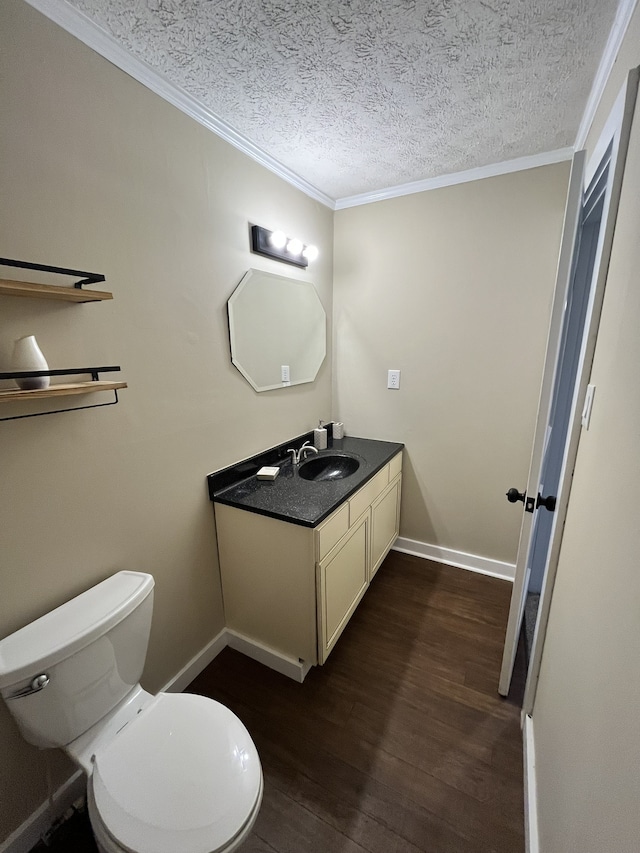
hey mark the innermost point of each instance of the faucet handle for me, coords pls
(294, 455)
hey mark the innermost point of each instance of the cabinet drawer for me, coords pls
(395, 466)
(332, 530)
(363, 499)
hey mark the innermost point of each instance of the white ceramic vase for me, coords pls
(27, 355)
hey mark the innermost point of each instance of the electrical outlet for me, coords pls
(393, 379)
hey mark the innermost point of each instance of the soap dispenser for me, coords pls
(320, 437)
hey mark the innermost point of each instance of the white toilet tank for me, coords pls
(88, 653)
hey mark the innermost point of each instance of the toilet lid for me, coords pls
(182, 776)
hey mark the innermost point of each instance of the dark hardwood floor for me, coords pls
(400, 742)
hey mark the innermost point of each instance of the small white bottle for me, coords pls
(320, 437)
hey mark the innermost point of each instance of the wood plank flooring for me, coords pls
(400, 742)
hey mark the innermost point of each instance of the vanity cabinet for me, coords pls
(293, 588)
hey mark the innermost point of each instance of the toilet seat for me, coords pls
(183, 775)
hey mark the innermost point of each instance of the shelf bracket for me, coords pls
(95, 377)
(87, 277)
(74, 371)
(61, 411)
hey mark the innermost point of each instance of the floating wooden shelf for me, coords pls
(11, 287)
(61, 390)
(52, 291)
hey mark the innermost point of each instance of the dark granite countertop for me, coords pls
(291, 498)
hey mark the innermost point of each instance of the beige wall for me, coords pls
(98, 173)
(585, 720)
(454, 288)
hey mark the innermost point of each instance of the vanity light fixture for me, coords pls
(276, 245)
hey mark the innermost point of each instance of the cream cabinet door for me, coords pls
(342, 581)
(385, 524)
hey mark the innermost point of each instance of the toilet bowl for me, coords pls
(170, 773)
(181, 776)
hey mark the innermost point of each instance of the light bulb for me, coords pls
(278, 239)
(310, 253)
(294, 246)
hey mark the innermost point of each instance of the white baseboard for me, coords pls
(291, 667)
(29, 833)
(458, 559)
(532, 841)
(197, 663)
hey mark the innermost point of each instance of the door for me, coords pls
(541, 435)
(582, 269)
(567, 370)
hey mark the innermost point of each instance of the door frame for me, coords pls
(615, 133)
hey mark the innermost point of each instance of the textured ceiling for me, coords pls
(360, 95)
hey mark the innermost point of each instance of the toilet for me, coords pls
(165, 773)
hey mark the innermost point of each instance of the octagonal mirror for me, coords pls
(278, 330)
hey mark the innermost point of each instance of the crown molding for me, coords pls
(614, 42)
(477, 174)
(77, 24)
(89, 33)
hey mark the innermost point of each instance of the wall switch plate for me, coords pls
(393, 379)
(588, 404)
(285, 374)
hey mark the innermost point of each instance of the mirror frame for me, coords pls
(265, 328)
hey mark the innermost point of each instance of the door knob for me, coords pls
(548, 503)
(513, 495)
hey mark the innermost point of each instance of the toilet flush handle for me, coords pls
(38, 683)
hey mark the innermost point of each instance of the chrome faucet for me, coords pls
(297, 456)
(306, 446)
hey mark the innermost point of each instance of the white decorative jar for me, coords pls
(27, 355)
